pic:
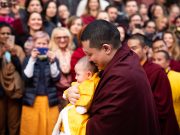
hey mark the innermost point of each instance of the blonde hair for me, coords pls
(175, 49)
(53, 45)
(40, 34)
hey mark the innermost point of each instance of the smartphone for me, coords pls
(138, 26)
(42, 51)
(4, 4)
(11, 41)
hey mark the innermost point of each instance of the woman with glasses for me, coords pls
(61, 45)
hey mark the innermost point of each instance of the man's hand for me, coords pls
(73, 94)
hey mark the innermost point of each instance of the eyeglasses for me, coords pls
(63, 37)
(151, 27)
(5, 33)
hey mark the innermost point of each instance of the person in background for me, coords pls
(131, 7)
(40, 101)
(159, 44)
(75, 25)
(82, 6)
(33, 24)
(103, 15)
(143, 11)
(174, 11)
(177, 29)
(162, 58)
(150, 29)
(160, 86)
(11, 84)
(63, 15)
(61, 45)
(71, 4)
(5, 9)
(122, 32)
(50, 16)
(91, 11)
(173, 47)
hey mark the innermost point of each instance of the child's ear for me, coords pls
(89, 74)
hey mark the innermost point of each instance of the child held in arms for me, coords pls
(73, 118)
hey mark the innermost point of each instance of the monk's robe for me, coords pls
(175, 65)
(163, 98)
(123, 103)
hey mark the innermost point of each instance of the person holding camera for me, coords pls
(11, 86)
(40, 102)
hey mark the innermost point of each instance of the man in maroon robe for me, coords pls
(159, 84)
(159, 44)
(123, 103)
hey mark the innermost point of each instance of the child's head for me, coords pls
(41, 39)
(84, 69)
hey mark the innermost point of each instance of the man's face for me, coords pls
(97, 56)
(159, 59)
(131, 8)
(159, 45)
(113, 13)
(150, 28)
(135, 46)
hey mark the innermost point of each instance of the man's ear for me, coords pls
(107, 48)
(145, 49)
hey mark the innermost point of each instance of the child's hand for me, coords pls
(34, 53)
(51, 56)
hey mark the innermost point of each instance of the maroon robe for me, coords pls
(123, 103)
(174, 65)
(163, 98)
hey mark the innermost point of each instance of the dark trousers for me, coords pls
(10, 113)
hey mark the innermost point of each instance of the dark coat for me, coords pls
(163, 98)
(40, 84)
(123, 103)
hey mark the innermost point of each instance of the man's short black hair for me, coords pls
(166, 54)
(110, 6)
(141, 38)
(101, 32)
(158, 39)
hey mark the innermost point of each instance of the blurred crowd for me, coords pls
(27, 80)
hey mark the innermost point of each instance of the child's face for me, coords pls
(81, 74)
(41, 43)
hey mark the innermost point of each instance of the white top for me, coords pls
(82, 5)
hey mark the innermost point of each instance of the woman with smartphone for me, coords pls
(11, 58)
(40, 102)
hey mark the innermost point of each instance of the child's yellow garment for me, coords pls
(70, 121)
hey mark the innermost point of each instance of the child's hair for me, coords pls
(87, 65)
(40, 34)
